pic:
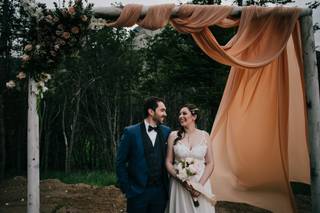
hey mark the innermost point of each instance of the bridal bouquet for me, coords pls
(187, 168)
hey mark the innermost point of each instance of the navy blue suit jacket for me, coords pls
(131, 166)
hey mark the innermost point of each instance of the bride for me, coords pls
(189, 146)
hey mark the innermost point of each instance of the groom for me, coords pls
(140, 163)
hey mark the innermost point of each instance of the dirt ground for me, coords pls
(58, 197)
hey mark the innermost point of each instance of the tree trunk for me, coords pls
(20, 152)
(6, 47)
(112, 126)
(49, 117)
(46, 152)
(66, 143)
(3, 140)
(74, 129)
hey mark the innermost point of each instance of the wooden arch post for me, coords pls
(313, 106)
(33, 151)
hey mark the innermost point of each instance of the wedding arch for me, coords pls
(260, 132)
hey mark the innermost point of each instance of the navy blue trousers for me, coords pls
(152, 200)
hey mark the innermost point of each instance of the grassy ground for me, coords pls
(97, 178)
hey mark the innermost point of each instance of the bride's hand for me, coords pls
(185, 185)
(189, 187)
(194, 193)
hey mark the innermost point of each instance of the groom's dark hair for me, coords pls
(151, 103)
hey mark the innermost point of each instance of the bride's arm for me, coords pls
(170, 155)
(209, 163)
(169, 163)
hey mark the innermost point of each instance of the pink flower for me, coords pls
(56, 19)
(66, 35)
(60, 26)
(28, 47)
(84, 18)
(72, 10)
(49, 17)
(25, 58)
(75, 30)
(53, 53)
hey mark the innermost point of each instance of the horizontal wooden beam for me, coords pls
(107, 12)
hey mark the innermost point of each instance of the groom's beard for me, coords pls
(159, 120)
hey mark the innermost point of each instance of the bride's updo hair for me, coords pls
(194, 111)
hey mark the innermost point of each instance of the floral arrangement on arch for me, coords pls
(53, 33)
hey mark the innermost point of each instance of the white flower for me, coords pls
(56, 47)
(41, 84)
(192, 169)
(32, 9)
(10, 84)
(32, 4)
(189, 160)
(45, 76)
(38, 13)
(44, 89)
(21, 75)
(41, 88)
(38, 91)
(182, 175)
(178, 166)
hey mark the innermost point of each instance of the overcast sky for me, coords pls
(105, 3)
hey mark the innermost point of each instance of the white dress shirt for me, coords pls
(152, 134)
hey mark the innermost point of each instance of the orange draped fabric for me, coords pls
(259, 134)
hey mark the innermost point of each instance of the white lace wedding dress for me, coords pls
(180, 200)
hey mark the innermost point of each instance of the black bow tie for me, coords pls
(150, 128)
